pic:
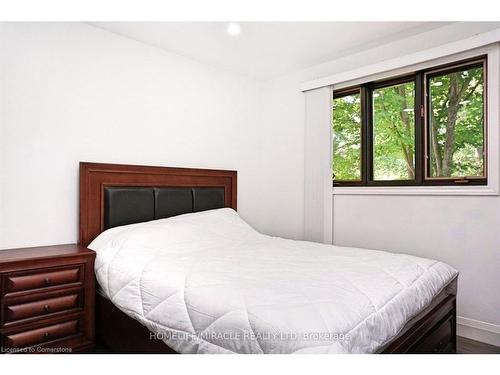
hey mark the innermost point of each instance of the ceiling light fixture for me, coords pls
(233, 29)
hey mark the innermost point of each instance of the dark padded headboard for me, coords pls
(115, 194)
(128, 205)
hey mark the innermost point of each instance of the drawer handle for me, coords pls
(46, 335)
(46, 308)
(47, 281)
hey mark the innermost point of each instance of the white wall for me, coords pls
(72, 92)
(462, 231)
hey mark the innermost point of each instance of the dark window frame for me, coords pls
(346, 92)
(439, 71)
(422, 127)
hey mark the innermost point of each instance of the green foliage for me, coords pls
(394, 132)
(456, 129)
(347, 137)
(457, 124)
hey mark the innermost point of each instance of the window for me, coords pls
(427, 128)
(394, 132)
(456, 123)
(346, 132)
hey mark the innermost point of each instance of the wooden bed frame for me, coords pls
(433, 330)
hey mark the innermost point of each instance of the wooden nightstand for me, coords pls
(47, 299)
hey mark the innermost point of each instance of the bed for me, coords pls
(180, 272)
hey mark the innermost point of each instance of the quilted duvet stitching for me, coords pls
(184, 298)
(143, 318)
(390, 300)
(251, 327)
(214, 344)
(247, 313)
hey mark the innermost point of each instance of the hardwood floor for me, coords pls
(468, 346)
(464, 346)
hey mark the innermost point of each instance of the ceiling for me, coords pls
(266, 50)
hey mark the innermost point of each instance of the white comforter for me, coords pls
(208, 283)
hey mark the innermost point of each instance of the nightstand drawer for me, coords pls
(36, 279)
(15, 312)
(47, 299)
(42, 335)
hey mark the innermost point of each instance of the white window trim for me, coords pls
(493, 116)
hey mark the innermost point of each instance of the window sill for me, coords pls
(415, 190)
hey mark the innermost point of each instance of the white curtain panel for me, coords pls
(318, 205)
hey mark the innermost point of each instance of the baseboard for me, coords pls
(479, 331)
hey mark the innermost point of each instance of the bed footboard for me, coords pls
(431, 331)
